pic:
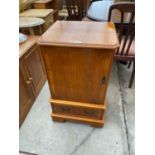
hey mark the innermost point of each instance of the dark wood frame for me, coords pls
(126, 33)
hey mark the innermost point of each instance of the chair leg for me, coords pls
(132, 76)
(129, 64)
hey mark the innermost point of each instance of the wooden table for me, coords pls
(46, 14)
(30, 23)
(47, 4)
(78, 58)
(99, 10)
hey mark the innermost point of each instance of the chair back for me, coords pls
(125, 28)
(75, 9)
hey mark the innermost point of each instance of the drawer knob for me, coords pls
(28, 82)
(67, 109)
(30, 78)
(89, 113)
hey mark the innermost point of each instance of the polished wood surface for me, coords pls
(25, 46)
(41, 13)
(78, 65)
(92, 122)
(42, 1)
(78, 104)
(79, 109)
(75, 79)
(31, 76)
(81, 34)
(48, 4)
(26, 96)
(33, 63)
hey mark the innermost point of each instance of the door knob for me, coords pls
(103, 80)
(30, 78)
(28, 82)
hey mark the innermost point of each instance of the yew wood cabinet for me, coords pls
(78, 57)
(31, 75)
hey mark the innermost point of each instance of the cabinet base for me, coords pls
(63, 118)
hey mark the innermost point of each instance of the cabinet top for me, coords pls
(25, 46)
(81, 34)
(36, 13)
(42, 1)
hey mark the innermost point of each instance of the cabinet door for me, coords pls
(26, 96)
(77, 74)
(34, 65)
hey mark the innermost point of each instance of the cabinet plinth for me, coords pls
(78, 58)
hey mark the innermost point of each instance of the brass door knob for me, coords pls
(28, 82)
(103, 80)
(30, 78)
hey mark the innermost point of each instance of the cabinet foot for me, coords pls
(92, 122)
(57, 119)
(97, 125)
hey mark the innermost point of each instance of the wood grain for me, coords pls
(78, 104)
(34, 65)
(25, 46)
(76, 75)
(62, 118)
(81, 34)
(78, 62)
(31, 76)
(26, 96)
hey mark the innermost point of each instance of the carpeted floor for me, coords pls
(39, 134)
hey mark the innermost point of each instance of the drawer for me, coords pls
(77, 111)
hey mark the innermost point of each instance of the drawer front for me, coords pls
(77, 111)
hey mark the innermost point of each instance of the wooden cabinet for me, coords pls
(31, 76)
(26, 96)
(78, 62)
(33, 63)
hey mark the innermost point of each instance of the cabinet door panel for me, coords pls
(34, 66)
(78, 74)
(26, 96)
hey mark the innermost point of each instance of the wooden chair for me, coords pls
(75, 9)
(126, 33)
